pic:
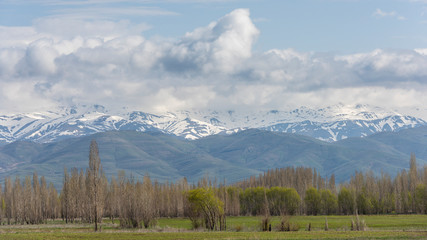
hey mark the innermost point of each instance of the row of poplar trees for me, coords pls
(87, 196)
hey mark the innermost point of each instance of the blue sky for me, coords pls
(305, 25)
(178, 54)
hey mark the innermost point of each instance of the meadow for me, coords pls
(379, 227)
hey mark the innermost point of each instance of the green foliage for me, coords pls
(345, 201)
(283, 200)
(329, 202)
(312, 201)
(205, 208)
(251, 201)
(280, 201)
(363, 203)
(421, 198)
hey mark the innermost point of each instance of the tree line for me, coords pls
(87, 196)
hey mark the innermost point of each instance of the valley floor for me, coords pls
(379, 227)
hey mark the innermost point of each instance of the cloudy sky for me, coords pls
(166, 55)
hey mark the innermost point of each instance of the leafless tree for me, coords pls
(95, 184)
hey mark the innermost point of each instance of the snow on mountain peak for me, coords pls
(330, 123)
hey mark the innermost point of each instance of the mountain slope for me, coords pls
(404, 142)
(232, 157)
(164, 157)
(328, 124)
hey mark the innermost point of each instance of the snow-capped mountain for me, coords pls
(328, 124)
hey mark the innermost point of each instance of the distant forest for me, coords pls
(87, 196)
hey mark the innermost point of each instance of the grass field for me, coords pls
(379, 227)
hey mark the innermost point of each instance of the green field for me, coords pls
(379, 227)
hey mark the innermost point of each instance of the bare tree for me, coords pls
(149, 213)
(65, 197)
(44, 196)
(28, 201)
(54, 205)
(8, 199)
(95, 181)
(18, 202)
(413, 180)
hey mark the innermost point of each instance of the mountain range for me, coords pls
(231, 157)
(328, 124)
(228, 145)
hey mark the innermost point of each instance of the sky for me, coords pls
(168, 55)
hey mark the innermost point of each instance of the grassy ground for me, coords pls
(380, 227)
(221, 235)
(337, 223)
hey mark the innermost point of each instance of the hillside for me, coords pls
(328, 124)
(232, 157)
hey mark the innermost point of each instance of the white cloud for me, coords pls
(380, 13)
(110, 63)
(422, 51)
(221, 46)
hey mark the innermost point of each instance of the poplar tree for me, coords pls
(413, 180)
(8, 199)
(95, 187)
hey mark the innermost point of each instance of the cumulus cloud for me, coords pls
(210, 67)
(221, 46)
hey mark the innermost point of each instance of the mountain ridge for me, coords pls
(232, 157)
(328, 124)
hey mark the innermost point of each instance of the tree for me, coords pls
(232, 201)
(329, 202)
(18, 201)
(74, 193)
(276, 200)
(420, 198)
(292, 201)
(332, 186)
(28, 201)
(205, 206)
(8, 199)
(95, 184)
(44, 199)
(363, 203)
(36, 211)
(112, 199)
(413, 180)
(251, 200)
(345, 201)
(53, 202)
(312, 201)
(65, 197)
(283, 200)
(147, 199)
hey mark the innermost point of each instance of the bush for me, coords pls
(358, 225)
(308, 228)
(265, 222)
(196, 223)
(206, 209)
(326, 224)
(285, 225)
